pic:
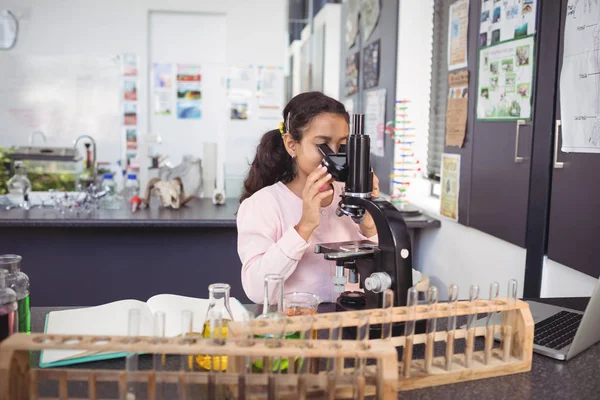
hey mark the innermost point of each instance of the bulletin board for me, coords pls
(62, 96)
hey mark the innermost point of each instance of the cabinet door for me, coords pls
(574, 222)
(499, 181)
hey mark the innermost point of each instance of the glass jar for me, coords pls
(19, 185)
(19, 282)
(8, 308)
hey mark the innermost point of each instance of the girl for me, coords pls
(289, 201)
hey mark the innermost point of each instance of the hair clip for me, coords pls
(281, 128)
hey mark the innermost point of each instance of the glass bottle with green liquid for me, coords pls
(19, 282)
(8, 308)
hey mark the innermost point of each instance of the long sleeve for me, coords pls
(262, 246)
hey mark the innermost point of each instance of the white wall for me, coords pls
(329, 16)
(256, 32)
(561, 281)
(455, 253)
(294, 51)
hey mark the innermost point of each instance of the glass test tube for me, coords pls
(432, 299)
(508, 320)
(412, 298)
(244, 338)
(473, 297)
(388, 305)
(335, 335)
(159, 359)
(362, 337)
(215, 317)
(131, 360)
(187, 360)
(273, 294)
(306, 334)
(490, 323)
(452, 299)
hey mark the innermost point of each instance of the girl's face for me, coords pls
(331, 129)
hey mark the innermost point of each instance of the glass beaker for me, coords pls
(300, 303)
(218, 318)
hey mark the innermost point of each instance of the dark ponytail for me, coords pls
(272, 162)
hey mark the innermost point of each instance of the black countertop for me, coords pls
(197, 213)
(578, 378)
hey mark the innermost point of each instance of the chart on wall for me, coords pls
(162, 86)
(505, 80)
(270, 90)
(241, 86)
(351, 78)
(458, 28)
(371, 57)
(369, 15)
(189, 94)
(580, 78)
(375, 120)
(503, 20)
(352, 22)
(450, 182)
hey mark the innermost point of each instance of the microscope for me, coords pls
(381, 266)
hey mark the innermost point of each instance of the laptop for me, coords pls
(562, 333)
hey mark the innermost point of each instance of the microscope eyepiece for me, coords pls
(358, 124)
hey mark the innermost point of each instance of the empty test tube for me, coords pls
(187, 361)
(452, 299)
(490, 323)
(409, 330)
(432, 299)
(473, 297)
(159, 359)
(388, 305)
(362, 337)
(335, 336)
(131, 360)
(508, 320)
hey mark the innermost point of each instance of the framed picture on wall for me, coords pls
(371, 57)
(351, 78)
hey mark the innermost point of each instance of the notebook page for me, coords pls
(104, 320)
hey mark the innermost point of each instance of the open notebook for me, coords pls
(112, 319)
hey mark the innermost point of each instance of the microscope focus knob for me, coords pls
(378, 282)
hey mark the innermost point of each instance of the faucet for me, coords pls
(34, 134)
(91, 139)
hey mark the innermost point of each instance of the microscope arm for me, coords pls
(395, 251)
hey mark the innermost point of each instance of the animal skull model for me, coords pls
(170, 193)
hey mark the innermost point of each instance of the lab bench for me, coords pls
(116, 254)
(548, 379)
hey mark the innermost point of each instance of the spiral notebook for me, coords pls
(112, 319)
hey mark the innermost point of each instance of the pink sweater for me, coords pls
(268, 243)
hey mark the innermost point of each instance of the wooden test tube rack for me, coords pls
(518, 360)
(19, 380)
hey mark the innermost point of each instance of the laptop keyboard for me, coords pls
(557, 331)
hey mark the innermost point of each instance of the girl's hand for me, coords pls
(312, 196)
(367, 226)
